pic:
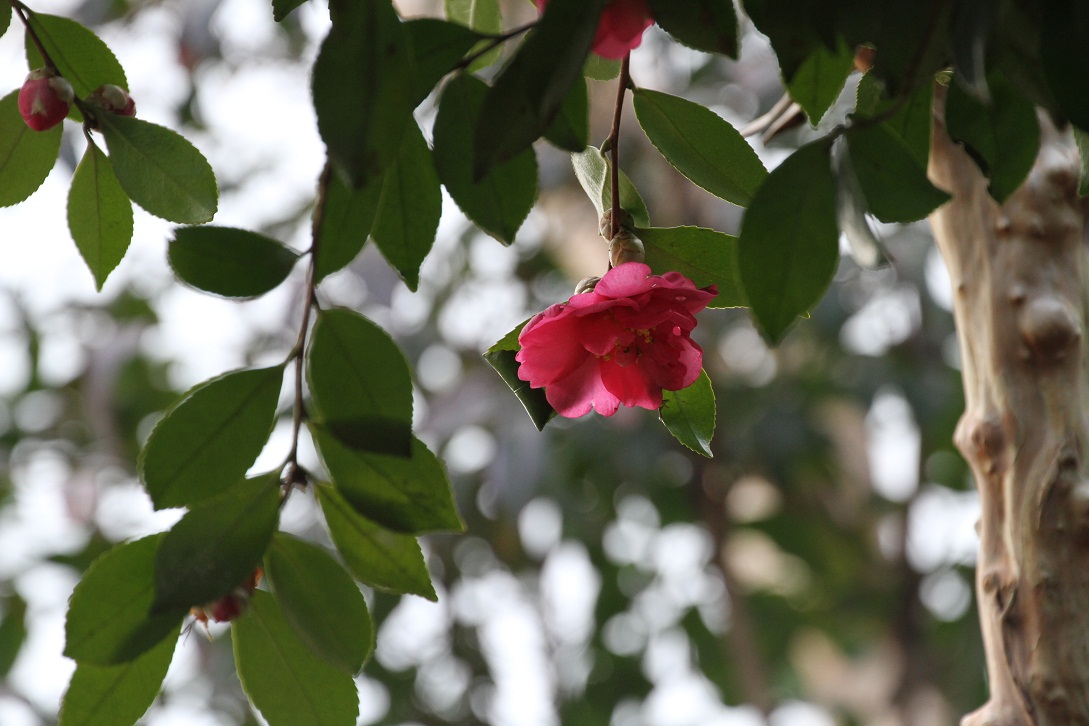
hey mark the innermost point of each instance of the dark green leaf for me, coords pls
(794, 27)
(160, 170)
(109, 620)
(819, 79)
(911, 122)
(436, 46)
(13, 628)
(689, 414)
(1082, 140)
(282, 8)
(118, 694)
(321, 601)
(228, 261)
(707, 25)
(500, 201)
(80, 55)
(1065, 55)
(483, 16)
(405, 494)
(349, 216)
(361, 383)
(284, 680)
(1002, 137)
(409, 208)
(26, 156)
(789, 240)
(501, 357)
(701, 145)
(570, 130)
(99, 214)
(376, 556)
(703, 255)
(895, 186)
(364, 89)
(592, 169)
(215, 547)
(529, 92)
(5, 19)
(207, 441)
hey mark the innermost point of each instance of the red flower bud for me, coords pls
(44, 99)
(114, 99)
(621, 27)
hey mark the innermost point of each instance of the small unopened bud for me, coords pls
(587, 284)
(44, 99)
(114, 99)
(625, 247)
(605, 224)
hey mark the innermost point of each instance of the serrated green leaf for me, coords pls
(1002, 138)
(501, 357)
(592, 169)
(689, 414)
(819, 79)
(321, 601)
(282, 8)
(570, 130)
(499, 202)
(789, 243)
(13, 629)
(109, 620)
(283, 679)
(376, 556)
(483, 16)
(707, 25)
(215, 547)
(406, 494)
(1065, 57)
(436, 46)
(361, 383)
(349, 216)
(896, 188)
(208, 439)
(160, 170)
(364, 88)
(705, 256)
(701, 145)
(119, 694)
(99, 214)
(530, 90)
(26, 156)
(228, 261)
(409, 208)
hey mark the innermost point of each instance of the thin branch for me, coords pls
(21, 10)
(493, 42)
(614, 146)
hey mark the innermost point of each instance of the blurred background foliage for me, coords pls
(817, 570)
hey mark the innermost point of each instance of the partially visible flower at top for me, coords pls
(622, 343)
(620, 29)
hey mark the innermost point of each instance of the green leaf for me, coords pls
(282, 677)
(228, 261)
(109, 620)
(1065, 57)
(896, 188)
(282, 8)
(794, 27)
(501, 357)
(701, 145)
(707, 25)
(361, 383)
(364, 88)
(405, 494)
(570, 130)
(592, 169)
(99, 214)
(376, 556)
(600, 69)
(13, 629)
(529, 92)
(5, 19)
(789, 243)
(349, 216)
(705, 256)
(160, 170)
(80, 55)
(499, 202)
(689, 414)
(119, 694)
(482, 16)
(207, 440)
(1002, 138)
(1082, 140)
(436, 46)
(215, 547)
(321, 601)
(409, 208)
(26, 156)
(911, 119)
(820, 78)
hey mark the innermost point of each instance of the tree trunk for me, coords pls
(1021, 298)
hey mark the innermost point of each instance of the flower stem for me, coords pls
(493, 41)
(614, 144)
(21, 10)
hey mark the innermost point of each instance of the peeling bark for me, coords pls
(1021, 301)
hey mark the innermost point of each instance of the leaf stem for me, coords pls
(493, 42)
(614, 147)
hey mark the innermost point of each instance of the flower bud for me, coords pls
(113, 99)
(44, 99)
(605, 224)
(587, 284)
(625, 247)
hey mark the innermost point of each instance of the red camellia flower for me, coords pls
(622, 343)
(44, 99)
(621, 27)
